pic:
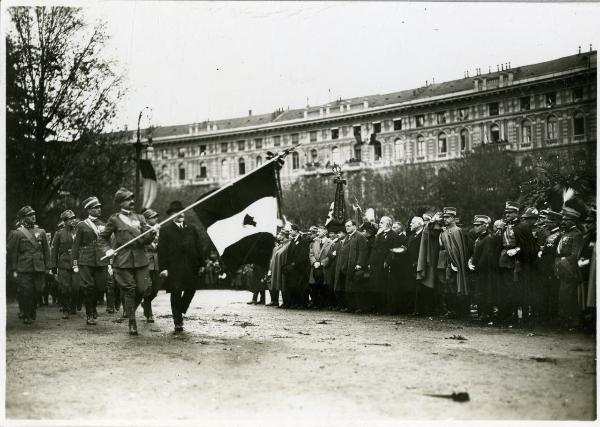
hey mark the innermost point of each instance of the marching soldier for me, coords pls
(29, 255)
(86, 257)
(152, 253)
(68, 280)
(130, 265)
(570, 293)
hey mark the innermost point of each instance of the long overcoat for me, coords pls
(180, 252)
(353, 252)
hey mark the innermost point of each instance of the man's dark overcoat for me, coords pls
(180, 252)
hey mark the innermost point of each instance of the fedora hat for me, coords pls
(175, 206)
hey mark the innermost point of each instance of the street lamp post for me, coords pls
(138, 155)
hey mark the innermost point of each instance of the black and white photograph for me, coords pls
(298, 213)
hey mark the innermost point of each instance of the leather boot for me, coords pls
(90, 320)
(132, 327)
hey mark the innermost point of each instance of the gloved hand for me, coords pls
(539, 254)
(453, 267)
(317, 264)
(164, 273)
(75, 269)
(15, 274)
(471, 266)
(109, 253)
(582, 262)
(511, 252)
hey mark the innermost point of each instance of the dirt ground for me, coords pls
(253, 363)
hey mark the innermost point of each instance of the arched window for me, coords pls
(181, 172)
(494, 133)
(420, 146)
(464, 139)
(552, 128)
(442, 145)
(258, 161)
(335, 155)
(398, 149)
(295, 160)
(202, 170)
(314, 155)
(578, 124)
(526, 132)
(241, 166)
(377, 150)
(224, 169)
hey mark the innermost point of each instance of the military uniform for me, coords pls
(152, 254)
(86, 257)
(29, 255)
(570, 292)
(547, 258)
(130, 264)
(61, 262)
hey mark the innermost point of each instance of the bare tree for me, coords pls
(61, 94)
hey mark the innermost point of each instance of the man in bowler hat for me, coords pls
(180, 257)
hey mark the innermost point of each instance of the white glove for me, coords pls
(334, 253)
(453, 267)
(15, 274)
(109, 253)
(317, 264)
(539, 254)
(75, 269)
(471, 266)
(155, 228)
(164, 273)
(511, 252)
(583, 262)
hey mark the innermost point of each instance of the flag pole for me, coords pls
(280, 155)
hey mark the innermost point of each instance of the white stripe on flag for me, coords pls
(228, 231)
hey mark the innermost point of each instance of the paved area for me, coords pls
(254, 364)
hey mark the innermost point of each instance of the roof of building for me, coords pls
(379, 100)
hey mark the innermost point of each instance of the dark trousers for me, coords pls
(93, 282)
(550, 288)
(180, 302)
(424, 299)
(318, 294)
(340, 299)
(133, 283)
(29, 288)
(155, 286)
(274, 296)
(113, 295)
(507, 294)
(258, 297)
(68, 282)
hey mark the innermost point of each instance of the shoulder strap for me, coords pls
(91, 224)
(28, 234)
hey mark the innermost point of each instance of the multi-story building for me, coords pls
(534, 110)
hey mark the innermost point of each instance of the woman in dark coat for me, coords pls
(180, 258)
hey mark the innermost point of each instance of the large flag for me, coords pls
(241, 220)
(149, 184)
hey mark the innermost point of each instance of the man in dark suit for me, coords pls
(180, 257)
(86, 258)
(297, 268)
(382, 290)
(29, 256)
(130, 264)
(350, 265)
(68, 280)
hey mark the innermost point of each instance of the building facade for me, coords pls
(534, 110)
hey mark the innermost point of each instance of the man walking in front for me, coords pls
(180, 257)
(130, 264)
(29, 255)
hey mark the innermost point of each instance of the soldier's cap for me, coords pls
(25, 211)
(313, 229)
(149, 213)
(481, 219)
(499, 224)
(511, 207)
(123, 194)
(449, 211)
(530, 213)
(67, 215)
(553, 216)
(91, 202)
(427, 216)
(570, 213)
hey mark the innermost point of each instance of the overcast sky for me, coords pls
(196, 61)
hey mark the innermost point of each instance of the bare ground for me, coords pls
(253, 363)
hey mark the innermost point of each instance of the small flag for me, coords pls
(149, 184)
(241, 220)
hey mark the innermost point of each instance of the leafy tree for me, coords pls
(480, 182)
(61, 94)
